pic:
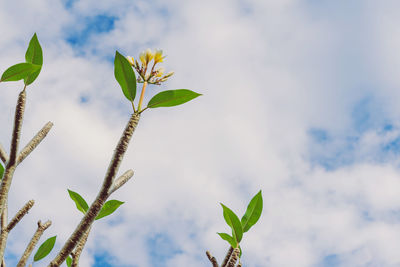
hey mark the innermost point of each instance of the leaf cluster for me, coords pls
(239, 227)
(126, 78)
(28, 70)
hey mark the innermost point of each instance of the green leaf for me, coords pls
(69, 261)
(34, 55)
(125, 76)
(253, 212)
(172, 98)
(79, 201)
(108, 208)
(19, 71)
(1, 171)
(233, 221)
(45, 248)
(228, 238)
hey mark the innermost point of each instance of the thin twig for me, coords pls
(34, 142)
(3, 155)
(212, 259)
(234, 258)
(12, 162)
(227, 257)
(6, 229)
(35, 239)
(79, 248)
(102, 196)
(20, 214)
(120, 181)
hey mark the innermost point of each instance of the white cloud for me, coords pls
(269, 71)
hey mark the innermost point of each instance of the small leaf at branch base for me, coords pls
(172, 98)
(228, 238)
(19, 71)
(125, 76)
(253, 212)
(1, 171)
(79, 201)
(108, 208)
(233, 221)
(45, 248)
(34, 55)
(69, 261)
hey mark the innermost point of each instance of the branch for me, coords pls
(227, 257)
(79, 248)
(20, 214)
(5, 230)
(234, 258)
(34, 142)
(102, 196)
(120, 181)
(3, 155)
(35, 239)
(12, 163)
(212, 259)
(3, 218)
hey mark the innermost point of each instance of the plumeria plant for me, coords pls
(125, 70)
(238, 227)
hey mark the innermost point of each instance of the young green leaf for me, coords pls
(253, 212)
(34, 55)
(228, 238)
(1, 171)
(172, 98)
(18, 72)
(45, 248)
(233, 221)
(108, 208)
(79, 201)
(69, 261)
(125, 76)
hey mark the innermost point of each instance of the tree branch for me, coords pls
(12, 162)
(20, 214)
(102, 196)
(234, 258)
(3, 155)
(35, 239)
(79, 248)
(212, 259)
(34, 142)
(227, 257)
(120, 181)
(5, 230)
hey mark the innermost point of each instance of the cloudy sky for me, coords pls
(300, 99)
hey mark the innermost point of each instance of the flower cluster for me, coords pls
(147, 74)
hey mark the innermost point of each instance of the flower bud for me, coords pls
(169, 74)
(158, 57)
(131, 60)
(160, 72)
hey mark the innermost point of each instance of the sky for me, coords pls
(299, 100)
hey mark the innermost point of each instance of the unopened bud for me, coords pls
(131, 60)
(169, 74)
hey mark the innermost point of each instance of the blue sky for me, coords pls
(300, 100)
